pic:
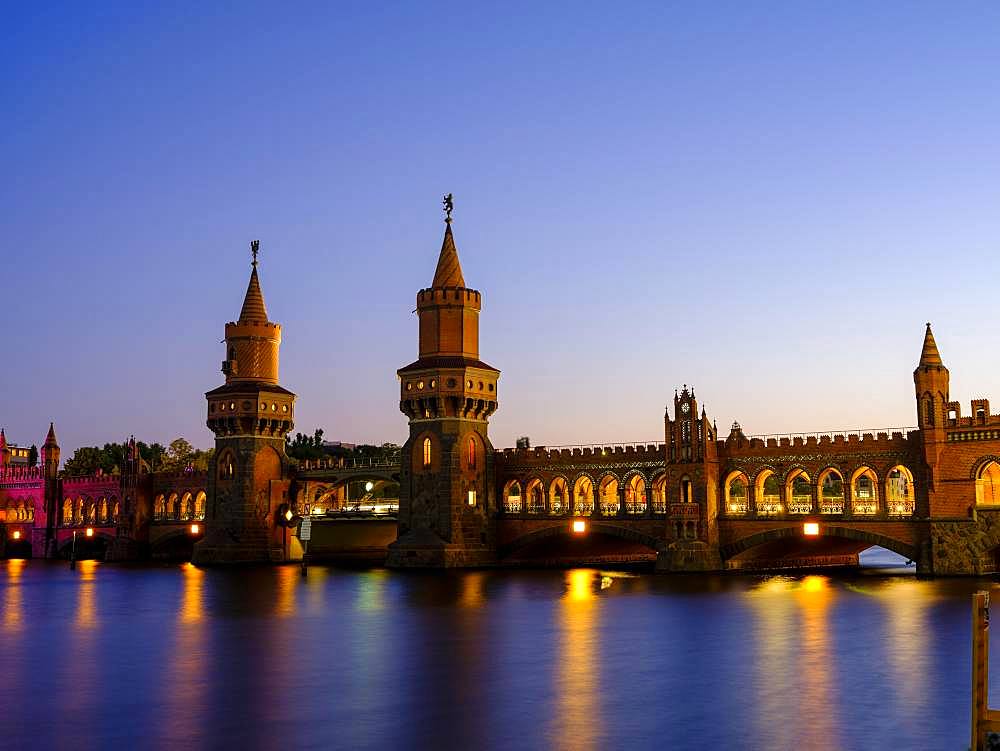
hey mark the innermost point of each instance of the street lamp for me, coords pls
(195, 529)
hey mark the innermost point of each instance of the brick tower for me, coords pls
(446, 492)
(43, 541)
(250, 416)
(931, 382)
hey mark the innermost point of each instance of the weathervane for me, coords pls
(254, 250)
(449, 206)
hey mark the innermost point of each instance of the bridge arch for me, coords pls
(986, 472)
(849, 533)
(558, 530)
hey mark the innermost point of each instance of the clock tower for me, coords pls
(446, 488)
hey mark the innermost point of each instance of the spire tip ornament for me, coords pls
(449, 206)
(254, 250)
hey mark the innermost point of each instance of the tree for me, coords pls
(33, 456)
(179, 454)
(304, 446)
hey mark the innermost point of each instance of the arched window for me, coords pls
(609, 495)
(558, 496)
(768, 493)
(472, 453)
(160, 507)
(427, 452)
(635, 495)
(199, 505)
(187, 506)
(799, 493)
(660, 494)
(929, 411)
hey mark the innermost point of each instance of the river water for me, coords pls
(174, 657)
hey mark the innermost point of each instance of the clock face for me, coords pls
(685, 408)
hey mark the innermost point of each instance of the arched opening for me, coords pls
(635, 495)
(471, 453)
(91, 512)
(864, 492)
(187, 506)
(160, 507)
(172, 510)
(558, 496)
(601, 543)
(67, 512)
(988, 485)
(178, 546)
(799, 492)
(831, 492)
(199, 505)
(227, 466)
(536, 497)
(427, 453)
(660, 494)
(899, 500)
(609, 495)
(768, 493)
(116, 511)
(736, 493)
(583, 496)
(512, 497)
(103, 511)
(78, 511)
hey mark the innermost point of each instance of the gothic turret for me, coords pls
(250, 415)
(50, 453)
(4, 451)
(931, 382)
(448, 394)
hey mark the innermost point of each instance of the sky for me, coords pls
(764, 200)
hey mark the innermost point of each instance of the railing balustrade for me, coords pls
(800, 504)
(903, 507)
(769, 504)
(831, 506)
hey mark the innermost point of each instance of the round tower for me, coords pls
(250, 415)
(446, 496)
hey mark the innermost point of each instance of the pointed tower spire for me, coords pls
(449, 270)
(50, 439)
(929, 355)
(253, 304)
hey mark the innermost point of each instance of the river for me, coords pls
(175, 657)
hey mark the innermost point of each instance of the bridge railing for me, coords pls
(381, 507)
(379, 462)
(832, 435)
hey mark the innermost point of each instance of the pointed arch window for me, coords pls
(427, 452)
(472, 453)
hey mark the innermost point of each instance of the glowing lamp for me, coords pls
(289, 515)
(90, 531)
(195, 529)
(579, 526)
(17, 534)
(810, 529)
(368, 486)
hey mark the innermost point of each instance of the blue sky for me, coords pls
(767, 200)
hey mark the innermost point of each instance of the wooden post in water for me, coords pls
(984, 719)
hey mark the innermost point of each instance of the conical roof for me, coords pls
(929, 355)
(3, 439)
(50, 439)
(253, 303)
(449, 270)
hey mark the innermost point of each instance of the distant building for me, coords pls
(11, 454)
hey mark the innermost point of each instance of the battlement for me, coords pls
(20, 473)
(332, 462)
(852, 440)
(449, 295)
(195, 476)
(596, 453)
(980, 415)
(267, 329)
(91, 480)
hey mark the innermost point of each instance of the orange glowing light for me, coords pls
(289, 515)
(17, 534)
(579, 526)
(195, 529)
(810, 529)
(90, 531)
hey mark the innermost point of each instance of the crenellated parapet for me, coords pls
(15, 473)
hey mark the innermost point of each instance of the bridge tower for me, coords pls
(446, 495)
(43, 542)
(692, 481)
(250, 414)
(931, 382)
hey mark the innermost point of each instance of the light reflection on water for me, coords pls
(579, 659)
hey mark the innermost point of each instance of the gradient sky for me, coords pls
(765, 200)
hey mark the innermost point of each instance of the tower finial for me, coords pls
(254, 250)
(929, 354)
(449, 206)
